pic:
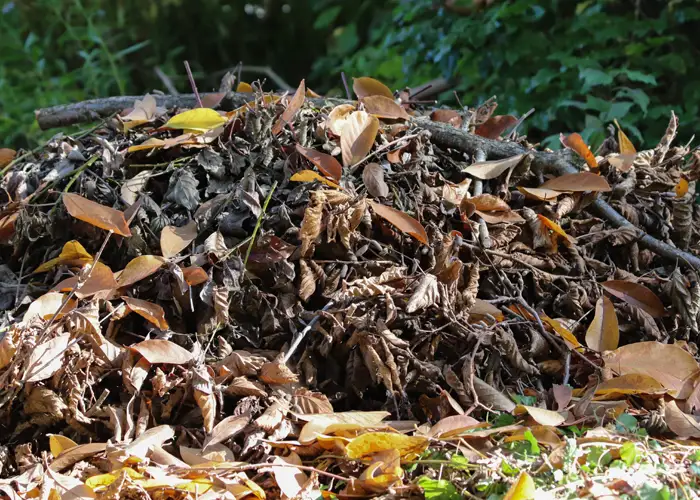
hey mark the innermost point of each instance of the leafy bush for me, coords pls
(579, 64)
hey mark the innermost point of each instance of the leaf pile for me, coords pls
(298, 298)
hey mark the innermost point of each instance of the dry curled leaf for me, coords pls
(292, 108)
(329, 166)
(311, 224)
(162, 351)
(357, 137)
(603, 333)
(575, 142)
(277, 372)
(139, 268)
(447, 116)
(486, 170)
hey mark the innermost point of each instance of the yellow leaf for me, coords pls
(556, 228)
(603, 334)
(522, 489)
(631, 383)
(244, 87)
(151, 143)
(103, 480)
(626, 146)
(199, 120)
(370, 443)
(565, 334)
(681, 188)
(73, 254)
(58, 443)
(310, 176)
(328, 423)
(197, 486)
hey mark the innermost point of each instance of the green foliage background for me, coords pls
(579, 64)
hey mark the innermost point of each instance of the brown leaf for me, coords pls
(46, 359)
(541, 415)
(603, 333)
(153, 437)
(622, 162)
(307, 285)
(575, 142)
(311, 176)
(366, 86)
(447, 116)
(626, 146)
(6, 156)
(226, 429)
(194, 275)
(241, 386)
(486, 170)
(581, 181)
(311, 224)
(384, 107)
(277, 372)
(636, 295)
(541, 194)
(373, 178)
(669, 364)
(139, 268)
(174, 239)
(329, 166)
(495, 126)
(401, 221)
(307, 402)
(327, 423)
(482, 309)
(207, 404)
(98, 215)
(451, 426)
(292, 108)
(358, 137)
(558, 231)
(74, 455)
(682, 424)
(151, 312)
(289, 479)
(101, 279)
(629, 384)
(162, 351)
(491, 397)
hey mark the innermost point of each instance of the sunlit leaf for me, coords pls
(556, 228)
(310, 176)
(494, 127)
(175, 239)
(366, 86)
(373, 179)
(523, 488)
(139, 268)
(681, 188)
(541, 194)
(452, 425)
(401, 221)
(603, 333)
(328, 423)
(46, 306)
(151, 312)
(244, 87)
(629, 384)
(486, 170)
(292, 108)
(100, 279)
(366, 445)
(357, 137)
(194, 275)
(73, 254)
(98, 215)
(47, 358)
(58, 444)
(482, 309)
(6, 156)
(329, 166)
(541, 415)
(197, 120)
(384, 107)
(636, 295)
(679, 422)
(162, 351)
(565, 334)
(447, 116)
(626, 146)
(578, 182)
(575, 142)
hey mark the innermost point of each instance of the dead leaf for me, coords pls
(76, 454)
(486, 170)
(46, 306)
(681, 188)
(626, 146)
(603, 333)
(452, 426)
(384, 107)
(307, 402)
(541, 416)
(226, 429)
(162, 351)
(46, 359)
(683, 425)
(292, 108)
(277, 372)
(328, 423)
(670, 365)
(628, 384)
(556, 228)
(581, 181)
(6, 156)
(101, 279)
(401, 221)
(495, 126)
(198, 120)
(139, 268)
(329, 166)
(175, 239)
(311, 224)
(357, 137)
(311, 176)
(366, 86)
(575, 142)
(151, 312)
(154, 437)
(482, 309)
(289, 479)
(58, 444)
(568, 337)
(373, 178)
(98, 215)
(636, 295)
(338, 118)
(541, 194)
(366, 445)
(447, 116)
(73, 254)
(523, 488)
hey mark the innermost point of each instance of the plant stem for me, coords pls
(259, 223)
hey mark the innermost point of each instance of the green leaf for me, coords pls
(534, 447)
(649, 492)
(459, 462)
(326, 17)
(593, 77)
(438, 489)
(627, 422)
(638, 76)
(628, 453)
(638, 96)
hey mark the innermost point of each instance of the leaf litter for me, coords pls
(437, 322)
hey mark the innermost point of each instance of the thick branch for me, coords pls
(557, 163)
